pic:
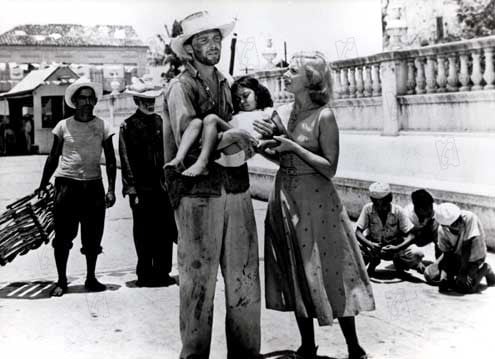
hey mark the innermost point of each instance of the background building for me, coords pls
(105, 53)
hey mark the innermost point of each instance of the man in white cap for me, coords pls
(462, 240)
(141, 160)
(383, 231)
(214, 212)
(80, 197)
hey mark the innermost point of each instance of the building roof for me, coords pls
(36, 78)
(71, 35)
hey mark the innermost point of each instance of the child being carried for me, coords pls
(252, 101)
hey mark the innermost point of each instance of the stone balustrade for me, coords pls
(272, 79)
(457, 66)
(356, 78)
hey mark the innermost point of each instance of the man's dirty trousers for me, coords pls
(217, 231)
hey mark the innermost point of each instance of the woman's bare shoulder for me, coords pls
(327, 116)
(327, 113)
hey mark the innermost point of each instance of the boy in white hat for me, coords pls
(80, 198)
(462, 240)
(141, 159)
(214, 212)
(383, 231)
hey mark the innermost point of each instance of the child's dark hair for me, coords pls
(263, 97)
(422, 198)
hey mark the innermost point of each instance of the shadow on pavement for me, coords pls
(288, 354)
(133, 283)
(40, 290)
(74, 289)
(390, 276)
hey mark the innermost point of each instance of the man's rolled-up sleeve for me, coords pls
(180, 109)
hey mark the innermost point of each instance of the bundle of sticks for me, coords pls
(27, 224)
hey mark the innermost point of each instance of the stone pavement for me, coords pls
(412, 319)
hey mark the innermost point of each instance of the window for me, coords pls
(440, 32)
(52, 110)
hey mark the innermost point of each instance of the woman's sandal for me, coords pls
(59, 290)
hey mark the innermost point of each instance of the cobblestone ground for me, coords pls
(412, 319)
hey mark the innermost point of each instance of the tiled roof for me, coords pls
(71, 35)
(36, 78)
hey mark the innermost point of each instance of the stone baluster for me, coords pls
(411, 81)
(420, 76)
(264, 82)
(337, 87)
(359, 81)
(344, 84)
(368, 85)
(476, 75)
(464, 75)
(489, 74)
(352, 83)
(452, 79)
(441, 74)
(280, 87)
(431, 83)
(276, 89)
(401, 68)
(377, 86)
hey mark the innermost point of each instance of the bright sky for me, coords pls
(338, 28)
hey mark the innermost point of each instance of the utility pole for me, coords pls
(232, 54)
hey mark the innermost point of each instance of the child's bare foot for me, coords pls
(197, 169)
(174, 163)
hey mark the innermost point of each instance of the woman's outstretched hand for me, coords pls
(265, 127)
(286, 145)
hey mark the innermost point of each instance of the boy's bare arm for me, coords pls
(364, 241)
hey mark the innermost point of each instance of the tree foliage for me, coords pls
(476, 17)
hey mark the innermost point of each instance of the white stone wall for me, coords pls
(420, 16)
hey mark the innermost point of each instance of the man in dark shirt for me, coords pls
(141, 158)
(214, 211)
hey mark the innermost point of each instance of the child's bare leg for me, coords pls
(209, 141)
(191, 134)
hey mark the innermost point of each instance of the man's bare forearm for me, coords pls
(48, 170)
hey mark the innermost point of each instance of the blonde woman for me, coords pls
(313, 264)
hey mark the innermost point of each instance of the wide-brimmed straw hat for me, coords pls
(196, 23)
(76, 85)
(143, 89)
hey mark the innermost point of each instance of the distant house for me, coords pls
(35, 105)
(104, 52)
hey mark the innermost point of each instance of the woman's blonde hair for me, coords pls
(318, 75)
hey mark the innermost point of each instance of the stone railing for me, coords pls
(456, 66)
(356, 78)
(272, 79)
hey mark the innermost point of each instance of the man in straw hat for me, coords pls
(80, 197)
(462, 240)
(141, 160)
(214, 211)
(384, 232)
